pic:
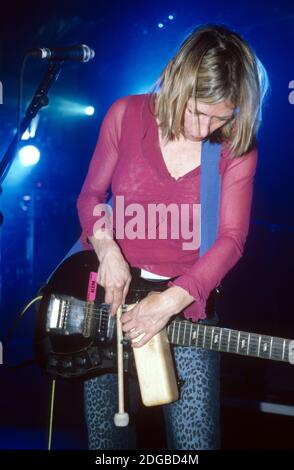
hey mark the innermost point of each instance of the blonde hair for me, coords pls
(213, 64)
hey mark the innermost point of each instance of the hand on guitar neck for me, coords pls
(152, 313)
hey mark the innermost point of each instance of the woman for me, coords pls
(150, 150)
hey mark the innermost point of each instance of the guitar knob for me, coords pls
(81, 361)
(52, 361)
(66, 364)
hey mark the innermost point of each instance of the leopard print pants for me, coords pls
(191, 423)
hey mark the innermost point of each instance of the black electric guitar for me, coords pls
(74, 338)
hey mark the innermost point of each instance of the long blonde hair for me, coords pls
(213, 64)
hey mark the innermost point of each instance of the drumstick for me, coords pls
(121, 418)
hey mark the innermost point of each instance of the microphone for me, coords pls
(81, 53)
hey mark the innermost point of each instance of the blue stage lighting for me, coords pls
(29, 155)
(160, 25)
(89, 110)
(170, 17)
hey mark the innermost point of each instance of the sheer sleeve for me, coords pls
(234, 217)
(98, 180)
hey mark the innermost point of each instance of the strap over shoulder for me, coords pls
(210, 185)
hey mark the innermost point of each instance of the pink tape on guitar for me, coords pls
(92, 287)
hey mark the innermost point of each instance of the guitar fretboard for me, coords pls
(185, 333)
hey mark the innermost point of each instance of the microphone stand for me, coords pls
(40, 100)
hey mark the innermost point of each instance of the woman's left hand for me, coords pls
(152, 313)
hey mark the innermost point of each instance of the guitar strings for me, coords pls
(102, 313)
(180, 326)
(233, 345)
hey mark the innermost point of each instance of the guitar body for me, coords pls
(75, 339)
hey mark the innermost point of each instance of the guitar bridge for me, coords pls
(57, 314)
(65, 315)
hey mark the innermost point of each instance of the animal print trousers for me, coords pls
(191, 423)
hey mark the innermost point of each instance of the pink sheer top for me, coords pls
(128, 159)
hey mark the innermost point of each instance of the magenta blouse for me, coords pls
(128, 159)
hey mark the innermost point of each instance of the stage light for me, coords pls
(26, 135)
(170, 17)
(30, 133)
(89, 110)
(29, 155)
(160, 25)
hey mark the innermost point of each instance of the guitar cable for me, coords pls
(11, 330)
(52, 398)
(29, 362)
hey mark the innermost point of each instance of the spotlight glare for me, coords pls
(26, 135)
(170, 17)
(160, 25)
(29, 155)
(89, 110)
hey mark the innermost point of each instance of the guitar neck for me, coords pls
(185, 333)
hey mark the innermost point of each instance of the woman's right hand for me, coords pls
(114, 275)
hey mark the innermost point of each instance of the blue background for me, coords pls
(131, 51)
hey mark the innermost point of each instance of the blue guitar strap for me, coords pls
(210, 184)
